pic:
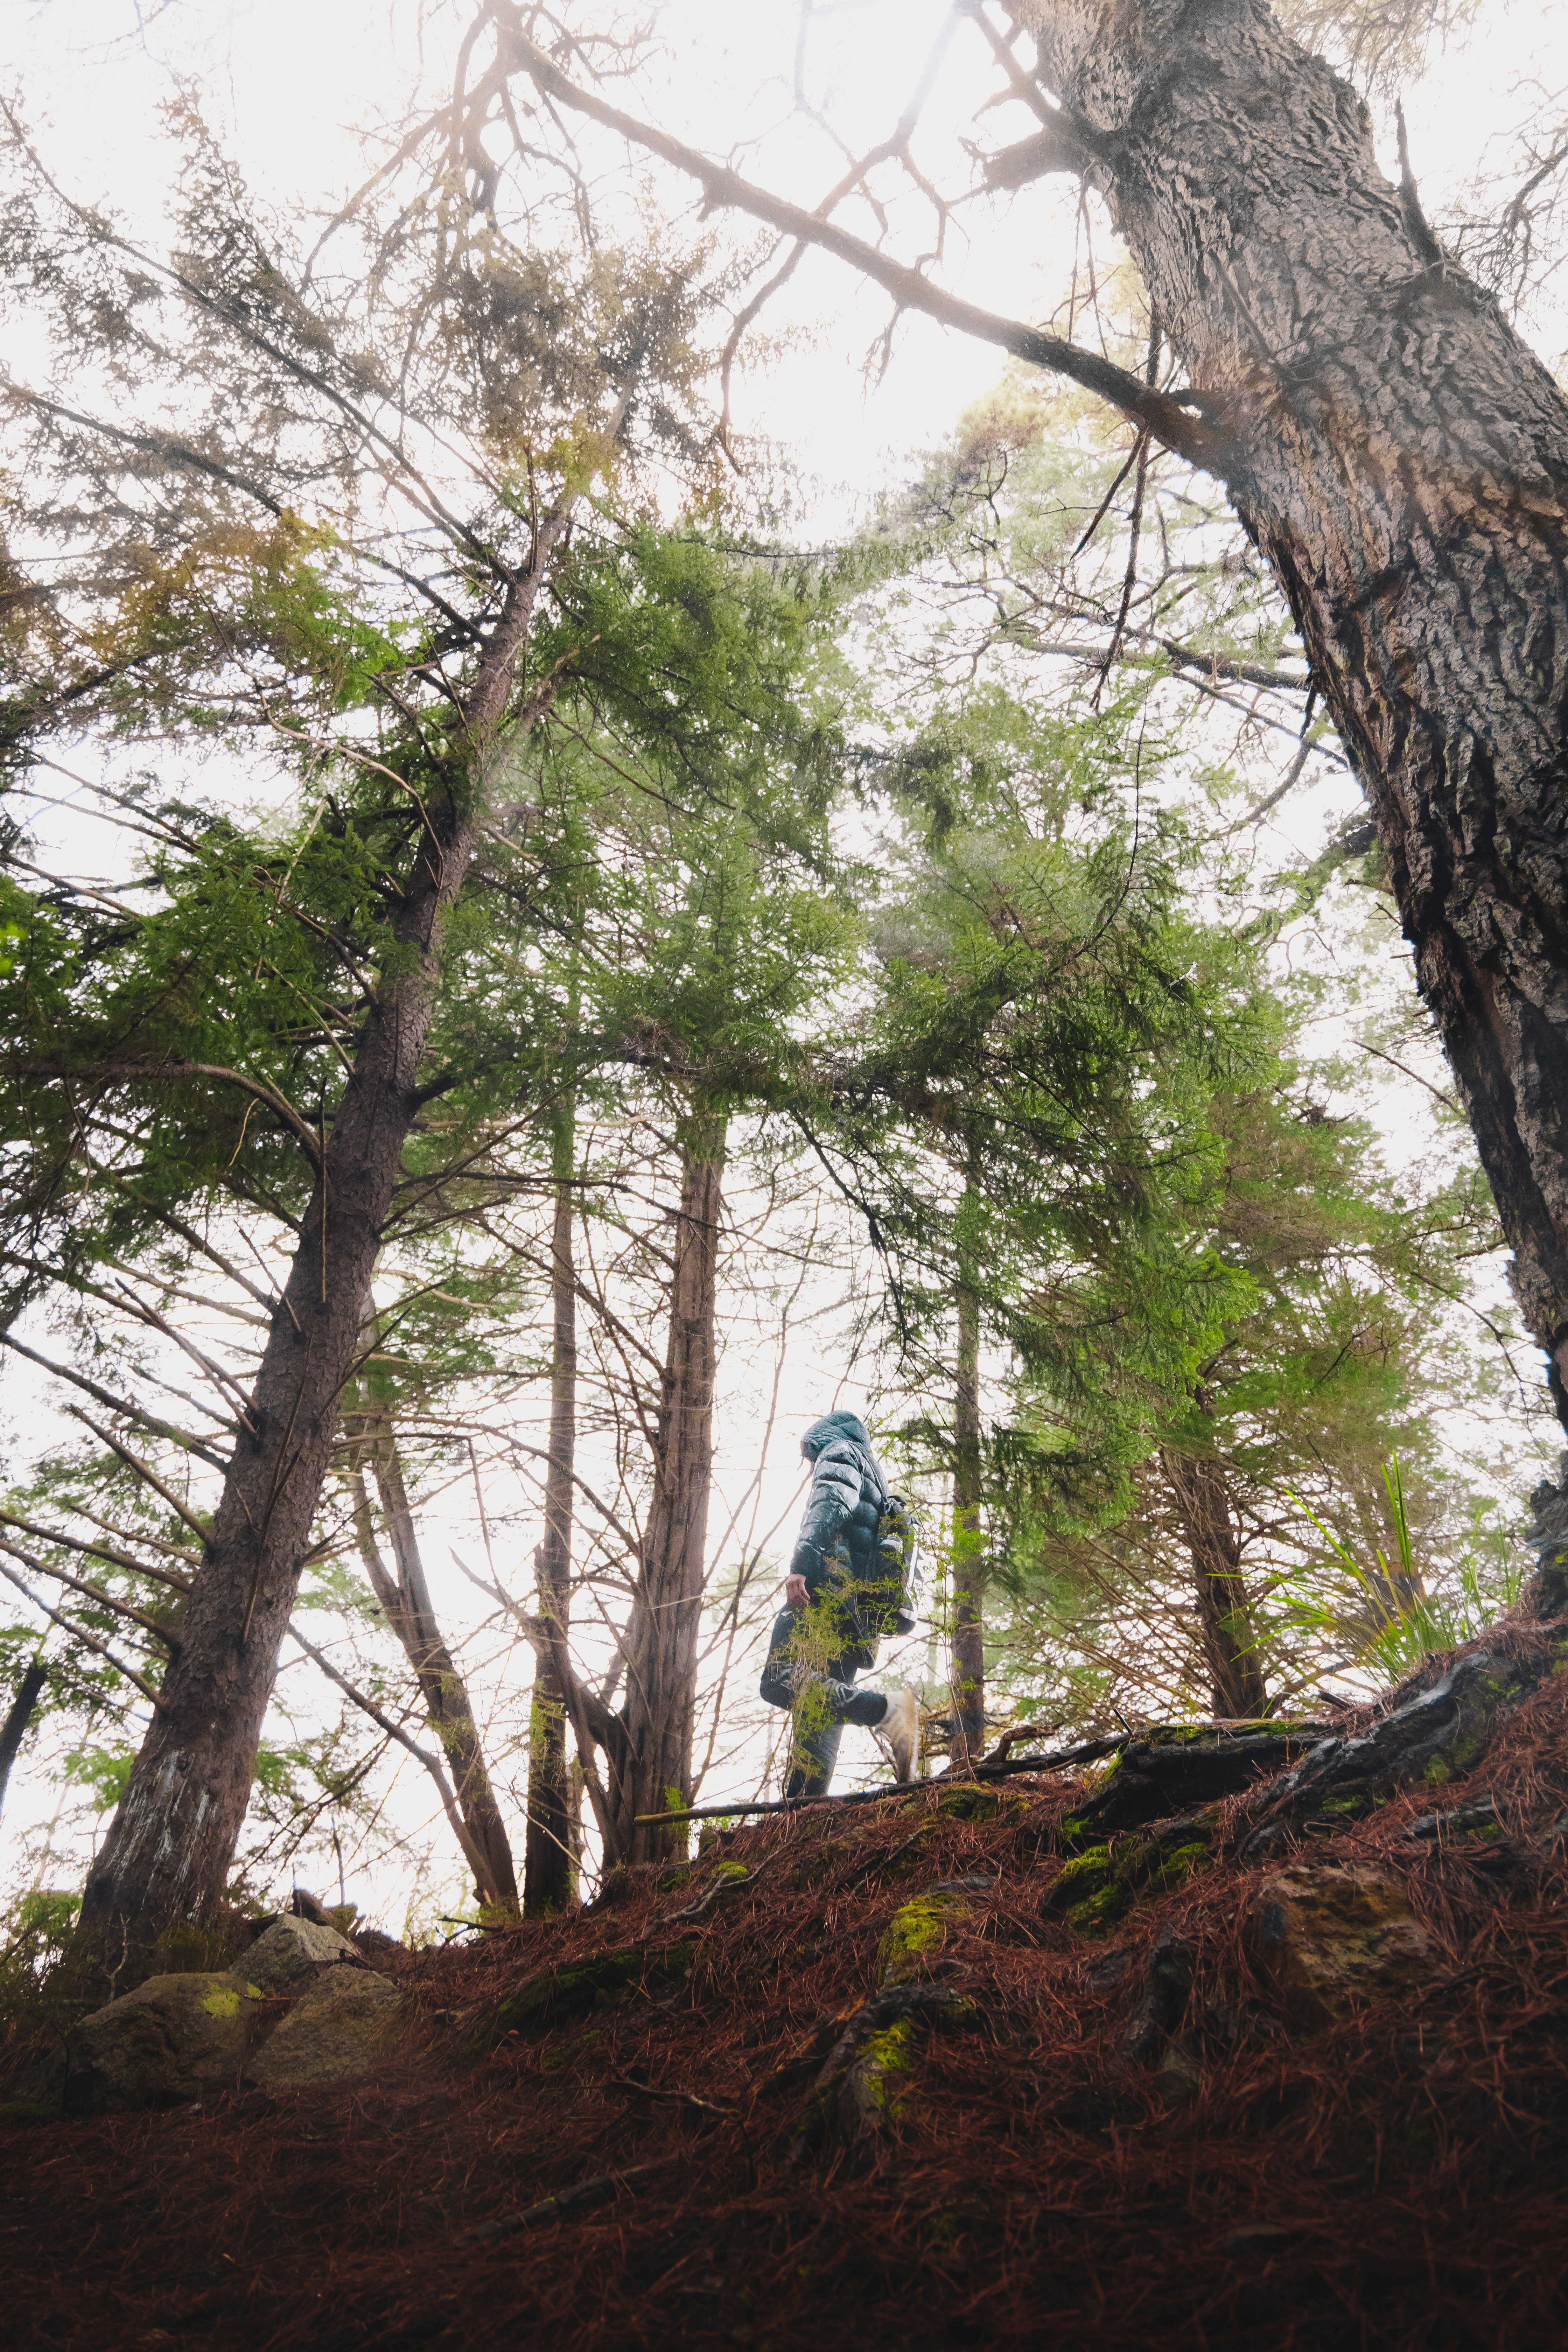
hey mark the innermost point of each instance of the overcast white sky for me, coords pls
(288, 82)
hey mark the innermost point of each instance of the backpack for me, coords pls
(892, 1591)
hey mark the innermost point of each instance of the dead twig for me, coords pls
(678, 2098)
(550, 2208)
(719, 1885)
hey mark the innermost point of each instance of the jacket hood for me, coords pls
(835, 1425)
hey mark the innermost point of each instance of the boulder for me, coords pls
(342, 2025)
(289, 1954)
(172, 2041)
(1337, 1937)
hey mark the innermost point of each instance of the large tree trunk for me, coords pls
(1231, 1647)
(653, 1771)
(547, 1866)
(170, 1845)
(968, 1669)
(1401, 461)
(410, 1613)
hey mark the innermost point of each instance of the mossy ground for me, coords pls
(1028, 2184)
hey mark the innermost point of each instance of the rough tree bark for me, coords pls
(653, 1771)
(1401, 461)
(967, 1674)
(170, 1845)
(1231, 1647)
(406, 1599)
(547, 1863)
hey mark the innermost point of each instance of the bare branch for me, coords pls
(1165, 417)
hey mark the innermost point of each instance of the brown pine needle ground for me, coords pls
(1398, 2180)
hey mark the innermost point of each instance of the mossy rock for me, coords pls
(1102, 1912)
(1146, 1863)
(863, 2099)
(1085, 1874)
(572, 1988)
(979, 1805)
(1183, 1864)
(876, 2090)
(1089, 1894)
(915, 1935)
(174, 2039)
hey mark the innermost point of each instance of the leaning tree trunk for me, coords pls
(1230, 1646)
(1401, 461)
(411, 1614)
(967, 1675)
(548, 1863)
(170, 1845)
(653, 1772)
(18, 1719)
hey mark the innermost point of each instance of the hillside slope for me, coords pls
(1141, 2058)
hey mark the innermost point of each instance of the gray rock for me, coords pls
(348, 2020)
(288, 1956)
(1339, 1936)
(169, 2041)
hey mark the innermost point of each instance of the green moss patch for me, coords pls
(979, 1805)
(1085, 1874)
(916, 1932)
(1177, 1867)
(878, 2088)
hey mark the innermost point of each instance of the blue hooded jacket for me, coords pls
(839, 1527)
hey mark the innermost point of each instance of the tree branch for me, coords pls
(66, 1626)
(1165, 418)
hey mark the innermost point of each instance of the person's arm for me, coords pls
(835, 1491)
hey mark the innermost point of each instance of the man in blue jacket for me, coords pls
(827, 1630)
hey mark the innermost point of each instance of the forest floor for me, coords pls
(1024, 2142)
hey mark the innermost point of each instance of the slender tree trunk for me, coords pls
(654, 1771)
(548, 1867)
(171, 1840)
(18, 1717)
(1401, 461)
(1231, 1647)
(968, 1671)
(410, 1613)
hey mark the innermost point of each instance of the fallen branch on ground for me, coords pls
(585, 2193)
(678, 2098)
(1090, 1753)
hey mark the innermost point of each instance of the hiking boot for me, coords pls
(899, 1733)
